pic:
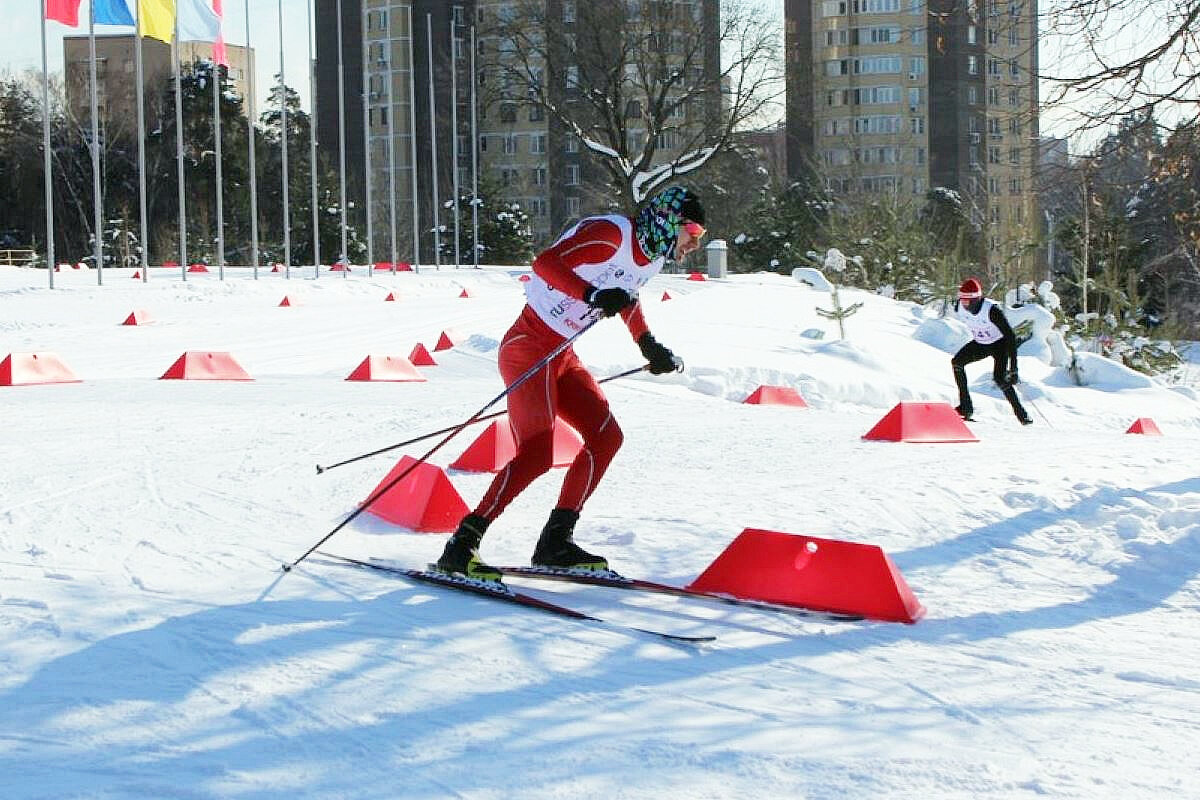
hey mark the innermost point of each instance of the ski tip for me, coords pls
(286, 567)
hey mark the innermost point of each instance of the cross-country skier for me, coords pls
(594, 270)
(991, 336)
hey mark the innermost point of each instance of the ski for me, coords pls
(497, 590)
(617, 581)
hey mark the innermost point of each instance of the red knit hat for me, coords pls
(970, 290)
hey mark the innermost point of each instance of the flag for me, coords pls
(197, 21)
(157, 19)
(219, 54)
(64, 11)
(112, 12)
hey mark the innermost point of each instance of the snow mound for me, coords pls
(811, 277)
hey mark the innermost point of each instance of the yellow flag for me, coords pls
(157, 19)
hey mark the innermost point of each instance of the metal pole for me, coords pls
(474, 162)
(433, 176)
(454, 136)
(342, 128)
(180, 175)
(312, 145)
(391, 101)
(252, 101)
(47, 159)
(412, 140)
(283, 139)
(141, 120)
(366, 107)
(97, 199)
(216, 79)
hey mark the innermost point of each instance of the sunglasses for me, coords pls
(694, 229)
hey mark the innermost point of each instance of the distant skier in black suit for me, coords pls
(991, 336)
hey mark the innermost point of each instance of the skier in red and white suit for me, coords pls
(595, 269)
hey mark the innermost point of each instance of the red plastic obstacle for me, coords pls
(444, 342)
(136, 274)
(666, 296)
(420, 357)
(197, 268)
(287, 301)
(424, 500)
(340, 267)
(696, 276)
(27, 369)
(776, 396)
(523, 278)
(196, 365)
(383, 266)
(385, 368)
(275, 268)
(495, 447)
(464, 293)
(921, 422)
(391, 298)
(137, 317)
(404, 266)
(1144, 425)
(804, 571)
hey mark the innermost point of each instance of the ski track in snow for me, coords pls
(150, 647)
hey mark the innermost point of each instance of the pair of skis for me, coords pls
(501, 591)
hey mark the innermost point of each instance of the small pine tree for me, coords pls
(836, 262)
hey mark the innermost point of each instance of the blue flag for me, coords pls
(112, 12)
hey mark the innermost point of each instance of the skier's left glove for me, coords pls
(659, 358)
(1011, 377)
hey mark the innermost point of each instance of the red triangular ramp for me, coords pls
(1144, 425)
(807, 572)
(696, 276)
(666, 296)
(137, 317)
(27, 369)
(197, 365)
(287, 301)
(776, 396)
(391, 298)
(385, 368)
(420, 357)
(444, 342)
(424, 500)
(495, 447)
(921, 422)
(197, 268)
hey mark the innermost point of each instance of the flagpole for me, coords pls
(97, 199)
(412, 140)
(366, 105)
(454, 137)
(47, 160)
(216, 81)
(252, 103)
(283, 122)
(474, 164)
(342, 132)
(179, 168)
(391, 73)
(312, 143)
(437, 244)
(141, 119)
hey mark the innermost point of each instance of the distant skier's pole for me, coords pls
(380, 492)
(423, 437)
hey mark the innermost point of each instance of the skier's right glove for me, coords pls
(1011, 377)
(611, 301)
(658, 358)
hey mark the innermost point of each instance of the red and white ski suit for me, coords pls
(602, 252)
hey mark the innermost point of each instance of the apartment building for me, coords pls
(900, 96)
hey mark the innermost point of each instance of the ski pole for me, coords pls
(321, 470)
(529, 373)
(1029, 400)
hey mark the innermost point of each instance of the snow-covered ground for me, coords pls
(150, 646)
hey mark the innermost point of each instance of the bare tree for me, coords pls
(653, 89)
(1124, 57)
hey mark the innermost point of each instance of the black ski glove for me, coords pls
(610, 301)
(660, 359)
(1011, 377)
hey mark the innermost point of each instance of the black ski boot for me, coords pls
(966, 412)
(556, 547)
(1024, 418)
(461, 556)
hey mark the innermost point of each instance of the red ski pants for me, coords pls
(563, 388)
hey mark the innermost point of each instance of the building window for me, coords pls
(972, 65)
(916, 125)
(993, 36)
(573, 207)
(919, 155)
(994, 95)
(972, 95)
(918, 36)
(993, 66)
(633, 109)
(572, 175)
(508, 112)
(1014, 155)
(915, 97)
(536, 113)
(539, 176)
(568, 11)
(833, 8)
(916, 66)
(1014, 36)
(1014, 97)
(837, 38)
(1014, 69)
(993, 185)
(994, 127)
(537, 143)
(971, 34)
(510, 145)
(993, 155)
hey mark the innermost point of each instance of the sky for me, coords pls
(151, 647)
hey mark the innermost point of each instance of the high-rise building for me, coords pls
(116, 87)
(901, 96)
